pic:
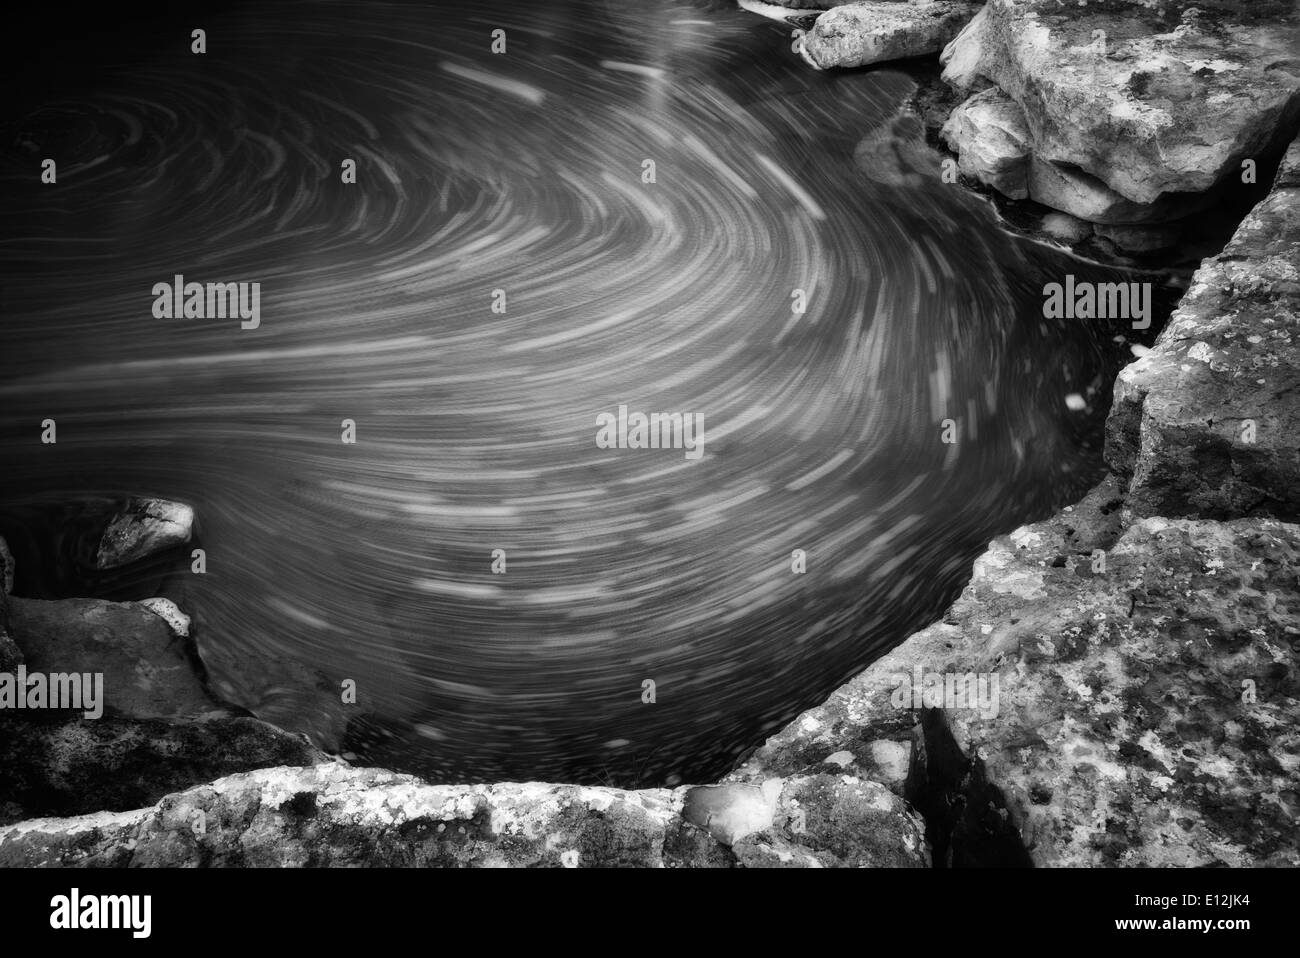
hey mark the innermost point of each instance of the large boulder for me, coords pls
(1149, 710)
(1146, 98)
(859, 34)
(1207, 422)
(1147, 704)
(335, 815)
(72, 767)
(148, 672)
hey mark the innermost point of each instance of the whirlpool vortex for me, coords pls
(521, 177)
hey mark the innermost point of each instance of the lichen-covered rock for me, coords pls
(1148, 712)
(1148, 98)
(1207, 423)
(72, 766)
(334, 815)
(854, 732)
(859, 34)
(1147, 706)
(143, 528)
(990, 137)
(331, 814)
(147, 671)
(850, 822)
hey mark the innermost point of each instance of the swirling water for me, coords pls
(523, 171)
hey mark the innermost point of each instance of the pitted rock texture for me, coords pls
(1208, 422)
(1146, 98)
(1147, 707)
(335, 815)
(60, 765)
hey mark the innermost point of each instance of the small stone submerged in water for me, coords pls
(143, 528)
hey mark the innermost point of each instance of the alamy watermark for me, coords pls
(83, 691)
(1085, 300)
(182, 300)
(75, 911)
(658, 430)
(947, 690)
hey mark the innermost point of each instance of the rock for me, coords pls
(961, 58)
(147, 673)
(1148, 713)
(809, 4)
(851, 823)
(332, 815)
(1066, 228)
(143, 528)
(1140, 239)
(989, 134)
(72, 767)
(732, 811)
(856, 732)
(10, 655)
(1205, 423)
(283, 691)
(1148, 99)
(859, 34)
(1086, 197)
(895, 153)
(1147, 706)
(170, 613)
(6, 566)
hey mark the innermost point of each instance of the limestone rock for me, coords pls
(732, 811)
(1072, 191)
(333, 815)
(990, 137)
(73, 766)
(809, 4)
(1206, 422)
(148, 673)
(330, 815)
(1147, 705)
(170, 613)
(859, 34)
(1148, 99)
(143, 528)
(1147, 712)
(1066, 228)
(850, 822)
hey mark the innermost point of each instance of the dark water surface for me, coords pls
(476, 430)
